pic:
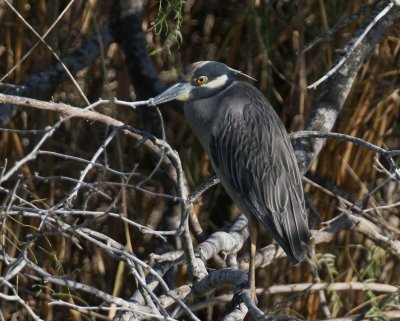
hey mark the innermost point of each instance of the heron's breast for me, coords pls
(202, 117)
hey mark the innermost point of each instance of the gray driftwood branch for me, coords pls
(338, 85)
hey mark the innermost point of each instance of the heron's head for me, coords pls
(200, 80)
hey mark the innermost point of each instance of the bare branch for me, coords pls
(86, 113)
(29, 156)
(337, 87)
(18, 299)
(74, 193)
(382, 13)
(71, 77)
(49, 78)
(339, 286)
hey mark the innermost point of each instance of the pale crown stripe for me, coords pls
(217, 82)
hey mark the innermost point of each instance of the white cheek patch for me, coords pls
(217, 82)
(183, 97)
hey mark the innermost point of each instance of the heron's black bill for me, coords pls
(179, 91)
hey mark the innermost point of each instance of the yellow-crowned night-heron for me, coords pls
(250, 152)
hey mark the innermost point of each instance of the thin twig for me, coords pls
(17, 298)
(340, 136)
(99, 151)
(354, 45)
(37, 43)
(30, 155)
(71, 77)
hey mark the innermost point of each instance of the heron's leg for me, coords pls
(253, 248)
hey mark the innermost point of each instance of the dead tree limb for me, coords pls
(338, 85)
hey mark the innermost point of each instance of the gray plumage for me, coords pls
(249, 149)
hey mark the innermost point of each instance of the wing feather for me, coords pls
(251, 151)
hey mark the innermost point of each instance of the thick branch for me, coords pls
(339, 286)
(337, 87)
(228, 242)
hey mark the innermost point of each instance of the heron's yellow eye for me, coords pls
(201, 80)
